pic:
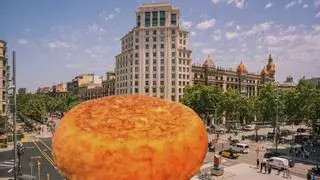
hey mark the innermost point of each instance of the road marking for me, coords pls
(45, 155)
(45, 144)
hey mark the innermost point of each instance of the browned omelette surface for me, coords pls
(130, 137)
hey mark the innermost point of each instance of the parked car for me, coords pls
(278, 163)
(291, 161)
(240, 147)
(229, 153)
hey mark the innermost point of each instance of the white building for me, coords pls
(155, 59)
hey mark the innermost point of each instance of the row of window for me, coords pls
(154, 15)
(154, 83)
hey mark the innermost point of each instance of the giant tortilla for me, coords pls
(130, 137)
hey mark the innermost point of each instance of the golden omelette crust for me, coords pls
(130, 137)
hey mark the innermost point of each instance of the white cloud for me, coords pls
(231, 35)
(317, 15)
(96, 29)
(23, 41)
(292, 3)
(216, 35)
(111, 15)
(305, 5)
(208, 50)
(197, 44)
(259, 47)
(290, 29)
(260, 28)
(97, 52)
(186, 24)
(206, 24)
(193, 33)
(238, 3)
(60, 44)
(316, 28)
(116, 38)
(238, 27)
(117, 10)
(316, 3)
(299, 1)
(229, 24)
(269, 5)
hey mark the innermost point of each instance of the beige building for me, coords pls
(79, 81)
(4, 76)
(239, 79)
(287, 85)
(44, 90)
(155, 59)
(98, 88)
(62, 87)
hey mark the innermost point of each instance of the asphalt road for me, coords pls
(37, 151)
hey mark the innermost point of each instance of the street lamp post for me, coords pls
(14, 113)
(39, 169)
(277, 119)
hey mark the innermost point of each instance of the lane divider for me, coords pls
(45, 155)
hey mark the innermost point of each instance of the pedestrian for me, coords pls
(269, 169)
(261, 167)
(266, 168)
(258, 162)
(307, 155)
(290, 150)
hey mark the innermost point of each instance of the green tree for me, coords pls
(204, 100)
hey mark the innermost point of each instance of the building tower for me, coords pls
(242, 83)
(271, 67)
(4, 77)
(155, 59)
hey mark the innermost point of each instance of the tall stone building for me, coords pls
(155, 59)
(4, 77)
(239, 79)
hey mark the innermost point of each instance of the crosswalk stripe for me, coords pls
(7, 163)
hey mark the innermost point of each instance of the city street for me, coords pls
(39, 150)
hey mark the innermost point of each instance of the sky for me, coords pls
(57, 40)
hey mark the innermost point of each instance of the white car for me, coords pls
(241, 147)
(277, 163)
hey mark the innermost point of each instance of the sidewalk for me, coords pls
(9, 148)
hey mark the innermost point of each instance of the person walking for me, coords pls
(261, 166)
(258, 162)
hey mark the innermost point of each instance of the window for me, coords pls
(136, 90)
(173, 68)
(154, 54)
(162, 54)
(136, 76)
(173, 39)
(180, 35)
(173, 46)
(179, 83)
(184, 42)
(154, 76)
(173, 31)
(136, 69)
(147, 68)
(161, 75)
(147, 46)
(136, 55)
(154, 46)
(179, 75)
(180, 41)
(173, 90)
(173, 19)
(147, 39)
(147, 19)
(173, 75)
(154, 61)
(161, 46)
(147, 83)
(173, 61)
(136, 83)
(147, 61)
(154, 83)
(154, 68)
(173, 54)
(173, 98)
(147, 54)
(137, 47)
(161, 39)
(179, 90)
(162, 18)
(138, 21)
(187, 76)
(154, 90)
(147, 32)
(161, 83)
(155, 18)
(154, 32)
(147, 90)
(162, 68)
(154, 39)
(137, 40)
(183, 76)
(147, 76)
(162, 90)
(173, 83)
(162, 61)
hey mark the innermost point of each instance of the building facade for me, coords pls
(80, 81)
(98, 88)
(155, 59)
(22, 91)
(313, 81)
(4, 76)
(287, 85)
(44, 90)
(239, 79)
(62, 87)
